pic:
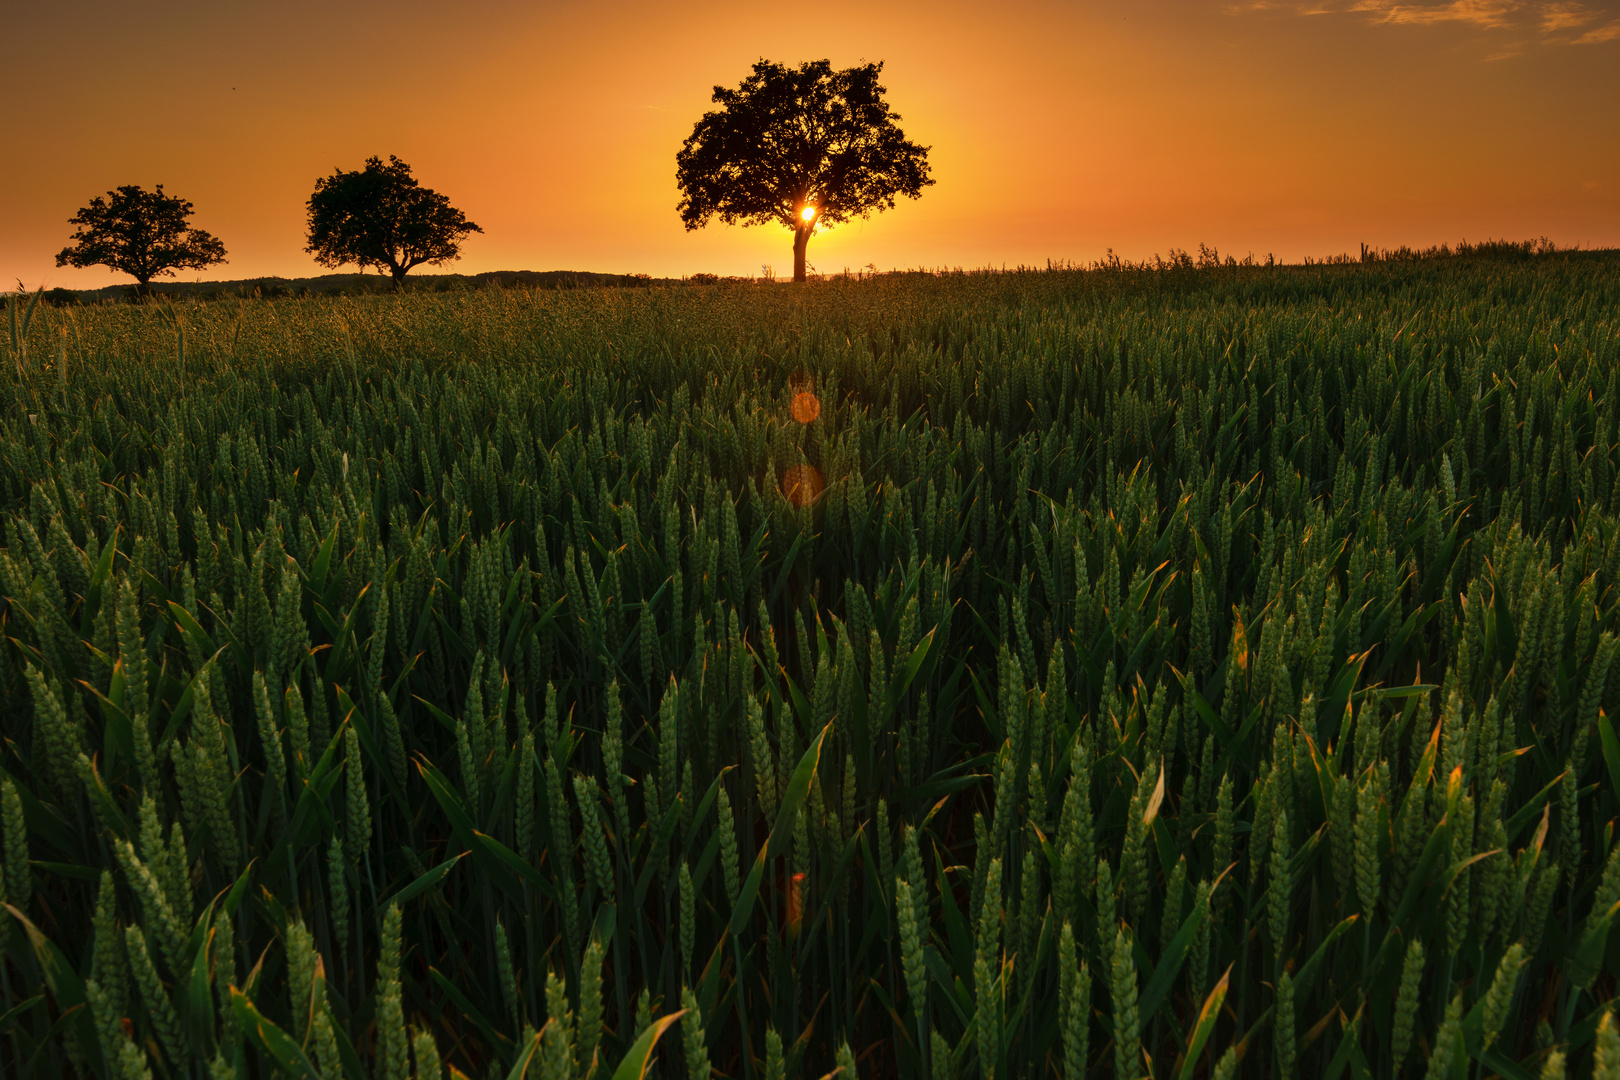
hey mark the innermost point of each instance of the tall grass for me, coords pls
(1190, 672)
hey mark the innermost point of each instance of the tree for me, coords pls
(382, 217)
(803, 148)
(140, 233)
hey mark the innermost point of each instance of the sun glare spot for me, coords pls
(808, 213)
(806, 407)
(801, 484)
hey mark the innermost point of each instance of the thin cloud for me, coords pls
(1278, 5)
(1557, 22)
(1557, 17)
(1485, 14)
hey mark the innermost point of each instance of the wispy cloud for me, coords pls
(1293, 6)
(1290, 7)
(1558, 17)
(1556, 22)
(1486, 14)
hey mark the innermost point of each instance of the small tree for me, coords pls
(140, 233)
(802, 148)
(381, 217)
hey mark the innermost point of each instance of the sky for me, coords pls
(1056, 131)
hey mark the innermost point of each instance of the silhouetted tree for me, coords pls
(140, 233)
(801, 147)
(380, 216)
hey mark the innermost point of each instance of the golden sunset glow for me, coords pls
(1286, 128)
(808, 213)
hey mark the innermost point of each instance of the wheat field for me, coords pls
(1145, 672)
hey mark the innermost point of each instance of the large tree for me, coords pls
(380, 216)
(804, 148)
(140, 233)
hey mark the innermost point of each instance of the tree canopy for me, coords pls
(381, 217)
(140, 233)
(805, 148)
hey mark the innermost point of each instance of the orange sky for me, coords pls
(1058, 130)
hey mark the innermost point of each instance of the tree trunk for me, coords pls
(801, 240)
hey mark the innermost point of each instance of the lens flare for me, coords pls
(808, 213)
(806, 407)
(801, 484)
(795, 904)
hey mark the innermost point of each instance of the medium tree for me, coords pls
(140, 233)
(803, 148)
(380, 216)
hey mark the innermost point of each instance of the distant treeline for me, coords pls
(364, 285)
(1206, 258)
(1209, 258)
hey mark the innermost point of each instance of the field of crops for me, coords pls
(1177, 673)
